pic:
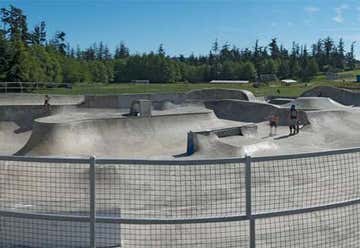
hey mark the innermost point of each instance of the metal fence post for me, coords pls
(249, 201)
(92, 184)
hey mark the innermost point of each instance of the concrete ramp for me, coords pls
(246, 111)
(12, 137)
(328, 129)
(115, 135)
(210, 146)
(343, 96)
(315, 103)
(16, 124)
(210, 143)
(336, 129)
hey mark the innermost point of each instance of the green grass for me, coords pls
(122, 88)
(127, 88)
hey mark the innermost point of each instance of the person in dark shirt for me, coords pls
(47, 102)
(293, 120)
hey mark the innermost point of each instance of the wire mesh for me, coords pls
(142, 191)
(40, 187)
(339, 227)
(43, 188)
(305, 182)
(36, 233)
(225, 234)
(171, 191)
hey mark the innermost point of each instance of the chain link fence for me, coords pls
(305, 200)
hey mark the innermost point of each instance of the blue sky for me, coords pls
(192, 25)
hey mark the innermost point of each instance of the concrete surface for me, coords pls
(78, 131)
(86, 133)
(343, 96)
(315, 103)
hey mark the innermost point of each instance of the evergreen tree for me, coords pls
(22, 66)
(284, 69)
(15, 24)
(248, 71)
(350, 57)
(274, 49)
(328, 50)
(5, 56)
(340, 55)
(215, 47)
(122, 51)
(38, 36)
(161, 50)
(59, 42)
(30, 57)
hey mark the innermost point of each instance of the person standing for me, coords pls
(293, 120)
(273, 122)
(47, 103)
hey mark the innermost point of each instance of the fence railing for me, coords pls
(30, 86)
(303, 200)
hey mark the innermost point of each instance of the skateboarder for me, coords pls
(293, 120)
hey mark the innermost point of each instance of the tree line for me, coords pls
(30, 56)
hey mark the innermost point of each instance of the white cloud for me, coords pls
(339, 17)
(311, 9)
(290, 24)
(274, 24)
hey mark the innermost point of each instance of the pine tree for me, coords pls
(59, 42)
(350, 57)
(4, 56)
(121, 51)
(161, 50)
(38, 36)
(215, 47)
(274, 49)
(15, 24)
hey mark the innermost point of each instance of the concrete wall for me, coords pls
(23, 115)
(343, 96)
(218, 94)
(245, 111)
(124, 100)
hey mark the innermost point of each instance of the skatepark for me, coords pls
(195, 169)
(76, 126)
